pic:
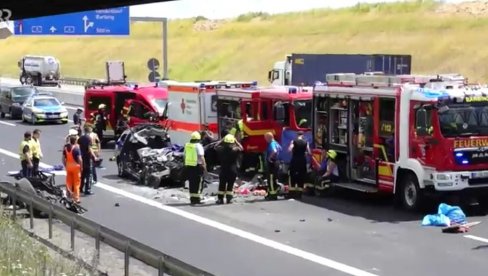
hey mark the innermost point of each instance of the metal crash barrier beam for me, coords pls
(163, 263)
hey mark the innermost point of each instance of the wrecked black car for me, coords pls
(145, 153)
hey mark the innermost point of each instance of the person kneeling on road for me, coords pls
(331, 171)
(228, 150)
(72, 162)
(195, 166)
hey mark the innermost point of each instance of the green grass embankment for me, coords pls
(246, 47)
(22, 255)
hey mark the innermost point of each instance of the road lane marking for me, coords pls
(476, 238)
(42, 165)
(229, 229)
(7, 123)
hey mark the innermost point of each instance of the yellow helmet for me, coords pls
(196, 135)
(229, 138)
(332, 154)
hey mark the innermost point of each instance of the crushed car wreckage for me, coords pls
(43, 185)
(145, 152)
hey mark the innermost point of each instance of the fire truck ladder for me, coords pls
(375, 80)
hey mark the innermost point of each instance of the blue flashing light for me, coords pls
(254, 83)
(461, 159)
(435, 94)
(202, 85)
(292, 90)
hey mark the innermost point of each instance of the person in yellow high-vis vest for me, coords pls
(25, 155)
(237, 130)
(36, 151)
(195, 167)
(95, 147)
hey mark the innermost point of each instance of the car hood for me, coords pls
(50, 108)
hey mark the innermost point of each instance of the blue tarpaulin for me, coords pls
(447, 215)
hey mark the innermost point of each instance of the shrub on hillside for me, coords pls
(251, 15)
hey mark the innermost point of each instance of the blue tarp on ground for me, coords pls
(446, 215)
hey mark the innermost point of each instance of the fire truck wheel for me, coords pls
(410, 193)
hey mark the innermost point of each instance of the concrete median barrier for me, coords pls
(69, 94)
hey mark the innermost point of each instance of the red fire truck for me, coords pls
(140, 101)
(411, 136)
(280, 110)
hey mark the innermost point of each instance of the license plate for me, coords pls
(479, 174)
(52, 116)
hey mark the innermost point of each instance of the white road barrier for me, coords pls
(69, 94)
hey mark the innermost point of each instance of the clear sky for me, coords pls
(217, 9)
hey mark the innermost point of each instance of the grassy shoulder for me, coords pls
(246, 48)
(22, 255)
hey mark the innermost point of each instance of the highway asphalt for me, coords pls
(344, 235)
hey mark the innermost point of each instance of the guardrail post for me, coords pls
(73, 222)
(14, 206)
(97, 242)
(31, 213)
(162, 265)
(50, 221)
(126, 259)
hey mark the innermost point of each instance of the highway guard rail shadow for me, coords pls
(166, 265)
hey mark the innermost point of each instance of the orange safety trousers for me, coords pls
(73, 176)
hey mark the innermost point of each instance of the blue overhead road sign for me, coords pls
(105, 22)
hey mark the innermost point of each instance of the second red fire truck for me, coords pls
(222, 106)
(406, 135)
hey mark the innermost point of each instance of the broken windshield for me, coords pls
(464, 120)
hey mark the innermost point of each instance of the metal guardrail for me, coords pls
(77, 81)
(163, 263)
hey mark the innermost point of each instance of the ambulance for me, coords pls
(281, 110)
(411, 136)
(140, 103)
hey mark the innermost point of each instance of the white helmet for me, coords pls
(72, 132)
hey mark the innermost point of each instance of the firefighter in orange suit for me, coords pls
(72, 162)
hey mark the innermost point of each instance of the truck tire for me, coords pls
(28, 79)
(411, 196)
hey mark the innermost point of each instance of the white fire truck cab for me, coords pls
(411, 136)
